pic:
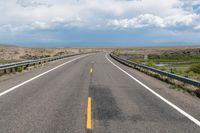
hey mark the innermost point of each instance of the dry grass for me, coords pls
(156, 50)
(9, 53)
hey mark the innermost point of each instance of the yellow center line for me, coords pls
(89, 114)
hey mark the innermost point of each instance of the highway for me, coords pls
(93, 93)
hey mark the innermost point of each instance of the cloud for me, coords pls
(56, 23)
(197, 27)
(31, 3)
(96, 14)
(40, 25)
(196, 8)
(190, 5)
(149, 20)
(138, 22)
(32, 16)
(9, 28)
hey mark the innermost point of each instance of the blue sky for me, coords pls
(90, 23)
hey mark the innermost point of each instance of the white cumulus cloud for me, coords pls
(31, 3)
(99, 14)
(149, 20)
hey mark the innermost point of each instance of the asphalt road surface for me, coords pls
(96, 94)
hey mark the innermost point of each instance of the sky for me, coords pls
(92, 23)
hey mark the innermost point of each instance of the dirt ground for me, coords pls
(16, 53)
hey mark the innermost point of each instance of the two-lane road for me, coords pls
(56, 101)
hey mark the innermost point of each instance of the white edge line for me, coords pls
(197, 122)
(29, 80)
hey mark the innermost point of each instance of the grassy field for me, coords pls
(182, 65)
(183, 61)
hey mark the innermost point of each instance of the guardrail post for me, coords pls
(4, 71)
(26, 66)
(1, 72)
(15, 69)
(7, 71)
(12, 70)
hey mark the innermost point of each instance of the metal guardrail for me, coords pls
(32, 62)
(164, 73)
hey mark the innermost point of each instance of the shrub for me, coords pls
(195, 68)
(150, 63)
(197, 92)
(163, 68)
(20, 69)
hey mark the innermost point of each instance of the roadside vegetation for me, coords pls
(179, 63)
(184, 62)
(2, 61)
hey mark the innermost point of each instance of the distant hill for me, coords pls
(7, 45)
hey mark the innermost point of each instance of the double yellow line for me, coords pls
(89, 114)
